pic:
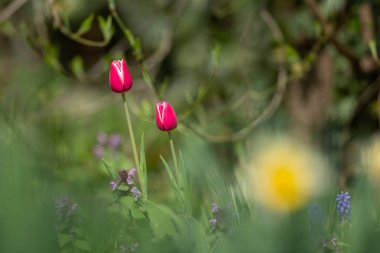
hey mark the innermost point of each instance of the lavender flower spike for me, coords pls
(343, 206)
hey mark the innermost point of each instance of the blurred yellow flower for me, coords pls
(284, 175)
(372, 158)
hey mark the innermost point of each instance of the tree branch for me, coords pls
(8, 11)
(330, 32)
(63, 29)
(282, 80)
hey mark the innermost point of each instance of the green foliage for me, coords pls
(106, 27)
(77, 67)
(219, 63)
(85, 26)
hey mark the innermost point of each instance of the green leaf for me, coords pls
(372, 48)
(137, 49)
(215, 54)
(86, 25)
(63, 239)
(172, 179)
(163, 87)
(143, 170)
(106, 27)
(128, 34)
(77, 231)
(147, 77)
(83, 245)
(7, 28)
(233, 197)
(66, 21)
(198, 234)
(109, 169)
(291, 54)
(184, 187)
(77, 67)
(147, 108)
(163, 221)
(51, 54)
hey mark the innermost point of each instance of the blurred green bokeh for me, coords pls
(235, 71)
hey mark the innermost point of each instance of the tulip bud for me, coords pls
(120, 79)
(166, 118)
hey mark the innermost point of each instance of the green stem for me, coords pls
(147, 76)
(133, 143)
(174, 159)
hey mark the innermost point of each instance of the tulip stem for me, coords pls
(174, 158)
(133, 143)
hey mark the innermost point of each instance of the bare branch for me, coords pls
(276, 100)
(331, 32)
(11, 9)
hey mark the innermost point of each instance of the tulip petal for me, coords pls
(120, 79)
(166, 118)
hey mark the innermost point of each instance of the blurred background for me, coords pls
(234, 71)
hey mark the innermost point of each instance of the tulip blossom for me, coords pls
(166, 118)
(120, 79)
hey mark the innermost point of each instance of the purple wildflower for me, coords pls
(102, 138)
(213, 222)
(98, 151)
(136, 193)
(132, 172)
(222, 218)
(114, 185)
(114, 141)
(343, 206)
(129, 180)
(123, 175)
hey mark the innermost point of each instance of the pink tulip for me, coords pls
(120, 79)
(166, 118)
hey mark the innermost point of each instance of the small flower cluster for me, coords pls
(221, 217)
(112, 142)
(343, 206)
(127, 178)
